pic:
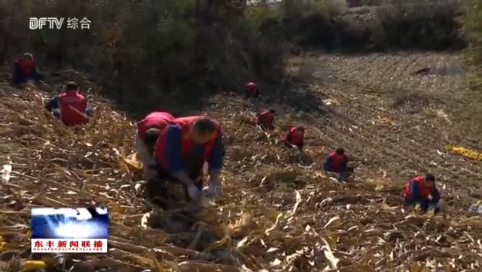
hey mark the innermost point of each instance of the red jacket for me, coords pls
(294, 136)
(252, 89)
(157, 119)
(265, 118)
(26, 66)
(181, 127)
(72, 107)
(337, 163)
(422, 191)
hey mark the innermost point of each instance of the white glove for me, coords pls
(214, 189)
(193, 192)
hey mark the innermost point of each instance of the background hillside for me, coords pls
(205, 47)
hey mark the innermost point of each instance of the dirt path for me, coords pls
(399, 122)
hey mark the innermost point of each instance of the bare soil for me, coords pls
(420, 108)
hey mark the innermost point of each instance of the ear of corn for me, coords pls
(34, 265)
(468, 153)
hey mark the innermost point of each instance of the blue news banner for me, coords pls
(70, 230)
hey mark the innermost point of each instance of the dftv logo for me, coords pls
(46, 22)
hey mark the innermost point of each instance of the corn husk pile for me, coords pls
(279, 212)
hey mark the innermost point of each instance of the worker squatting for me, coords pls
(175, 150)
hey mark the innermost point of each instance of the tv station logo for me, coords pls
(58, 22)
(70, 230)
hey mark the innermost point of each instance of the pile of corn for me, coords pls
(470, 154)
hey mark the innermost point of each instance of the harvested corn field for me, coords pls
(279, 211)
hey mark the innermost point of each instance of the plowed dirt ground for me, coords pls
(279, 211)
(418, 111)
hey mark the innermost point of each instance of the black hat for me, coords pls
(205, 125)
(429, 177)
(151, 136)
(72, 86)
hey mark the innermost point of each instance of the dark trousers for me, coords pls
(424, 203)
(165, 188)
(266, 127)
(18, 77)
(341, 176)
(300, 146)
(249, 94)
(88, 111)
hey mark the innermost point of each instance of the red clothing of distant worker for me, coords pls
(26, 65)
(175, 149)
(337, 163)
(157, 119)
(252, 90)
(295, 136)
(265, 118)
(72, 107)
(25, 70)
(422, 191)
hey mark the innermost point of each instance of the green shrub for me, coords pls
(392, 27)
(145, 52)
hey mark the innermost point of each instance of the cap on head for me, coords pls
(72, 86)
(272, 111)
(151, 136)
(340, 151)
(28, 55)
(429, 177)
(204, 125)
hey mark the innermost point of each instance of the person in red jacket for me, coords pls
(148, 131)
(422, 190)
(25, 70)
(251, 90)
(181, 152)
(337, 162)
(295, 138)
(265, 119)
(70, 106)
